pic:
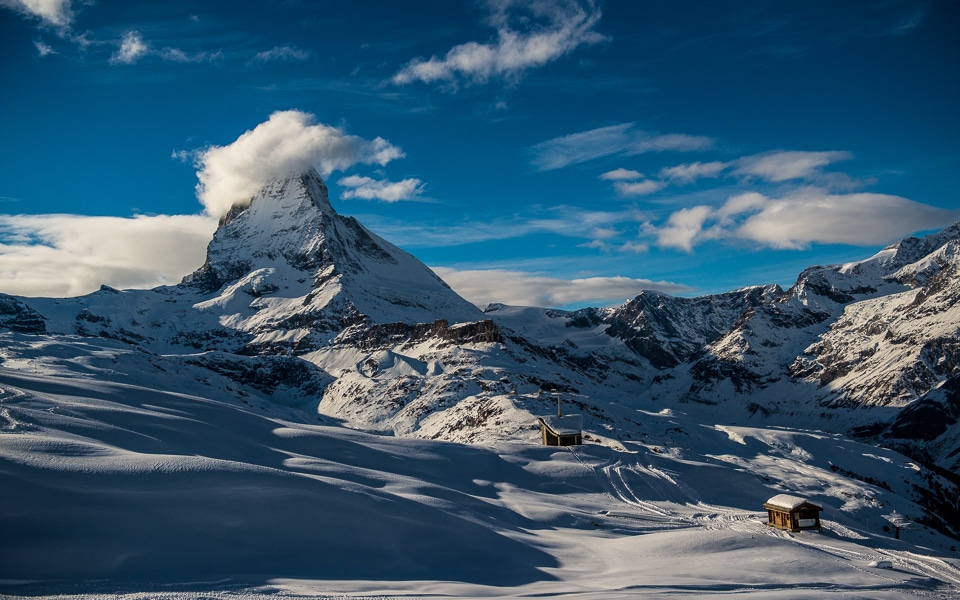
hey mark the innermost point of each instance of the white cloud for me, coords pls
(802, 218)
(683, 227)
(132, 49)
(739, 205)
(529, 34)
(520, 288)
(864, 219)
(57, 13)
(289, 141)
(690, 172)
(366, 188)
(282, 53)
(639, 188)
(70, 255)
(611, 140)
(786, 165)
(621, 174)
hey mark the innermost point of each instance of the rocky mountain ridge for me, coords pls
(311, 310)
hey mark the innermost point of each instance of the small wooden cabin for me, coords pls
(561, 431)
(791, 513)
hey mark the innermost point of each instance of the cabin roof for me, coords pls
(566, 425)
(789, 502)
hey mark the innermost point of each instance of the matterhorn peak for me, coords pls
(290, 242)
(285, 194)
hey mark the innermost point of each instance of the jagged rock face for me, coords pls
(894, 349)
(669, 331)
(824, 328)
(17, 316)
(931, 417)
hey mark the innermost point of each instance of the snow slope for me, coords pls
(119, 488)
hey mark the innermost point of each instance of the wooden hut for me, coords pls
(791, 513)
(561, 431)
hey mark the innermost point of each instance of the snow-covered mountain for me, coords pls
(283, 275)
(308, 310)
(315, 269)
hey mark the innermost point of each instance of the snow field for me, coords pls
(112, 487)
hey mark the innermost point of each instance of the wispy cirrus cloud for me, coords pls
(566, 221)
(180, 56)
(778, 166)
(129, 49)
(366, 188)
(529, 35)
(133, 48)
(283, 54)
(43, 49)
(522, 288)
(782, 165)
(580, 147)
(639, 188)
(621, 175)
(690, 172)
(70, 255)
(621, 139)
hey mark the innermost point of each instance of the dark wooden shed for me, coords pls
(561, 431)
(791, 513)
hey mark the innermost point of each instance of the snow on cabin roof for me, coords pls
(787, 501)
(565, 425)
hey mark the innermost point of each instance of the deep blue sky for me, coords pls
(689, 146)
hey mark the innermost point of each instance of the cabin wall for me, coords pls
(797, 520)
(548, 438)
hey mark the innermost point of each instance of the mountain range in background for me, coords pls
(312, 312)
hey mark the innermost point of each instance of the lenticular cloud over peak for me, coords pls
(289, 141)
